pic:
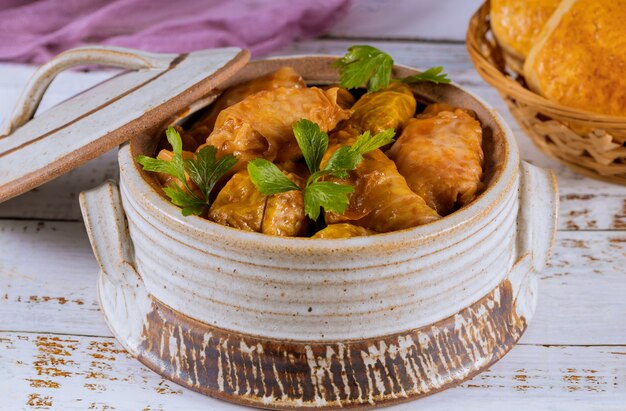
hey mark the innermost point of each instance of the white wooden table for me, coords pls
(57, 353)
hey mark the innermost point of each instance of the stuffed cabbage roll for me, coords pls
(440, 155)
(382, 201)
(387, 108)
(284, 213)
(261, 124)
(343, 231)
(345, 99)
(239, 204)
(283, 77)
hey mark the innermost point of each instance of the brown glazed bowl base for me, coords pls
(281, 374)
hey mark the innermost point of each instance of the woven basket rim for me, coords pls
(479, 26)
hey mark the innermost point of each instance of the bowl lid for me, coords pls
(153, 88)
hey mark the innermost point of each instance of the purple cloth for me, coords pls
(35, 31)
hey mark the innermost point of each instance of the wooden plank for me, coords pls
(581, 293)
(45, 371)
(406, 19)
(58, 199)
(56, 291)
(48, 279)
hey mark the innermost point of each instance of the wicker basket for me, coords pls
(589, 143)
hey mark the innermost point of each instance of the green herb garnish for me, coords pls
(204, 171)
(364, 64)
(433, 74)
(331, 196)
(371, 66)
(313, 142)
(268, 178)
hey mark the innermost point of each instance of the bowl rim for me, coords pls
(132, 179)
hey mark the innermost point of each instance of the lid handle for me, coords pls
(90, 55)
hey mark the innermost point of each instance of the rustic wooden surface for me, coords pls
(57, 353)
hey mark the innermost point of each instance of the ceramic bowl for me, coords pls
(293, 322)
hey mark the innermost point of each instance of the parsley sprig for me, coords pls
(371, 66)
(205, 170)
(313, 142)
(433, 74)
(364, 64)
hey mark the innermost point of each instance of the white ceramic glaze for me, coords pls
(334, 289)
(303, 289)
(155, 87)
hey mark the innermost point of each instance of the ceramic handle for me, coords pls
(106, 226)
(536, 230)
(537, 215)
(95, 55)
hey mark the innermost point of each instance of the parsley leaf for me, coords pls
(341, 161)
(312, 141)
(364, 64)
(433, 74)
(174, 139)
(189, 204)
(331, 196)
(204, 171)
(268, 178)
(371, 66)
(348, 157)
(366, 142)
(175, 167)
(157, 165)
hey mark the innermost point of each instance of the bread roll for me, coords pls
(517, 24)
(579, 59)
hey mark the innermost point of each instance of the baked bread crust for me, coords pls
(517, 24)
(579, 59)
